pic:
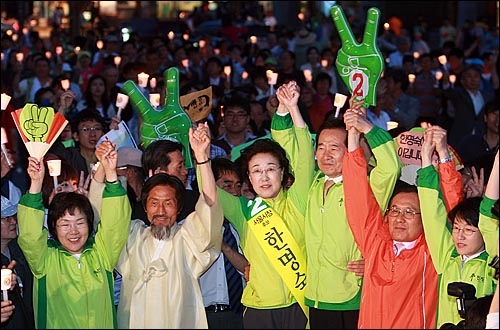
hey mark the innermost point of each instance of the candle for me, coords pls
(411, 78)
(25, 30)
(5, 100)
(121, 102)
(15, 37)
(386, 26)
(171, 35)
(392, 125)
(4, 140)
(308, 75)
(271, 77)
(117, 60)
(152, 82)
(77, 50)
(99, 44)
(438, 75)
(6, 278)
(339, 102)
(54, 166)
(59, 50)
(324, 63)
(416, 55)
(48, 54)
(185, 63)
(300, 16)
(227, 70)
(185, 36)
(202, 43)
(154, 99)
(65, 84)
(19, 57)
(253, 39)
(244, 75)
(442, 59)
(453, 79)
(143, 79)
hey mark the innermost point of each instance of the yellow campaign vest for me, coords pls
(279, 246)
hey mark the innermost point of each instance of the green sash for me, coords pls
(279, 246)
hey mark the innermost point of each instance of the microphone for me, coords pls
(4, 148)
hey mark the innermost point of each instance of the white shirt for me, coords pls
(213, 282)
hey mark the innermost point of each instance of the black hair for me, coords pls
(221, 165)
(164, 179)
(332, 123)
(467, 210)
(68, 202)
(156, 154)
(87, 115)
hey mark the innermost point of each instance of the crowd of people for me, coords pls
(293, 215)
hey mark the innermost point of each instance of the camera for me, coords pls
(465, 293)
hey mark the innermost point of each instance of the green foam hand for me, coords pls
(359, 65)
(169, 123)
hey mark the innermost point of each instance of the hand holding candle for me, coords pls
(442, 60)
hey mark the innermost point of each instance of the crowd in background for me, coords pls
(451, 91)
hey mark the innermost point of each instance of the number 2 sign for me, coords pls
(359, 65)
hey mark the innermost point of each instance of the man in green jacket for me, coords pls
(73, 272)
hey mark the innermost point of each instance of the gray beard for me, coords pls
(160, 233)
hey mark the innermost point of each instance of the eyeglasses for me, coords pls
(65, 227)
(258, 172)
(237, 115)
(90, 129)
(466, 231)
(407, 214)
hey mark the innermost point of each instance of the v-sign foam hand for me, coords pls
(359, 65)
(169, 123)
(35, 121)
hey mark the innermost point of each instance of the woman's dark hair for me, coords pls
(467, 210)
(265, 146)
(69, 202)
(89, 99)
(164, 179)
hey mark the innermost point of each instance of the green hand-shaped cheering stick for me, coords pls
(359, 65)
(169, 123)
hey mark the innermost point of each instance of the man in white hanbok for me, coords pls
(161, 264)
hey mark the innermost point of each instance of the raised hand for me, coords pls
(64, 101)
(199, 139)
(107, 156)
(475, 186)
(428, 147)
(359, 65)
(36, 171)
(171, 122)
(83, 184)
